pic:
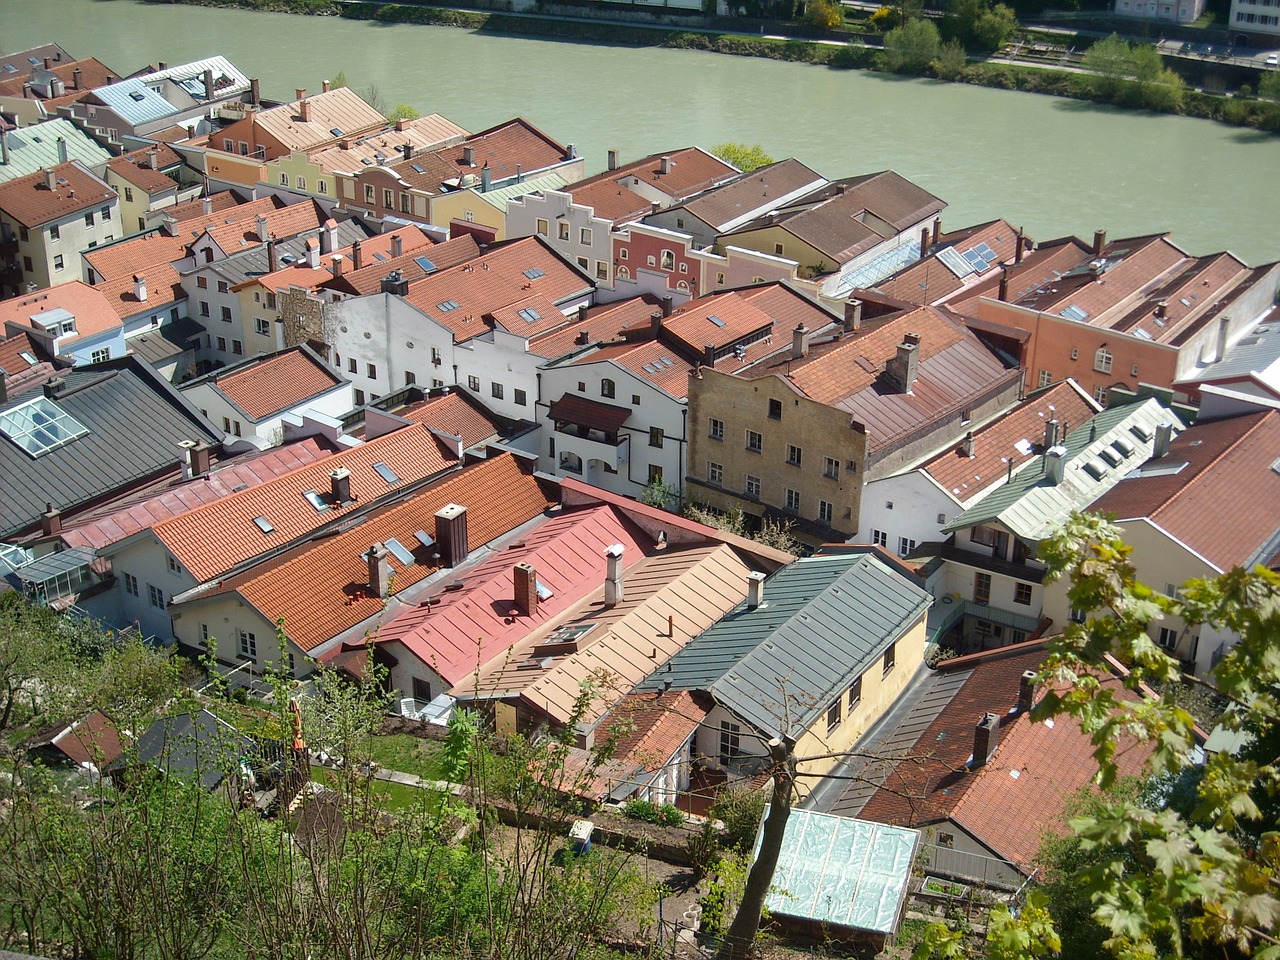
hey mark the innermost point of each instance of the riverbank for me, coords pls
(1235, 111)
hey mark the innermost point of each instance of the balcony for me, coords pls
(577, 447)
(980, 558)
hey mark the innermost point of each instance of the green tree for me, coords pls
(994, 28)
(951, 60)
(1110, 62)
(658, 493)
(1170, 881)
(1269, 85)
(1144, 62)
(403, 111)
(911, 47)
(746, 157)
(339, 81)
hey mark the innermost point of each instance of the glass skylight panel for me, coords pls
(385, 472)
(1074, 312)
(40, 425)
(533, 273)
(957, 264)
(424, 263)
(417, 168)
(399, 551)
(544, 592)
(29, 357)
(529, 315)
(336, 131)
(263, 524)
(716, 320)
(424, 538)
(447, 306)
(316, 501)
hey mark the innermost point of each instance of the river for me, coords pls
(1050, 165)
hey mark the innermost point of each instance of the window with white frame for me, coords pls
(831, 468)
(755, 441)
(248, 645)
(1100, 394)
(715, 429)
(1046, 378)
(751, 486)
(905, 546)
(1102, 360)
(1167, 637)
(715, 473)
(825, 511)
(793, 500)
(794, 455)
(261, 327)
(155, 596)
(130, 584)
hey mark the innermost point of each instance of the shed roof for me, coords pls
(592, 414)
(267, 385)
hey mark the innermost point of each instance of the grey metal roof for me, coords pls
(499, 196)
(254, 262)
(135, 102)
(166, 341)
(33, 148)
(825, 620)
(1031, 507)
(135, 420)
(190, 76)
(1257, 352)
(192, 744)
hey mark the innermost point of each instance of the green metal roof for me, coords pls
(825, 619)
(1031, 507)
(834, 870)
(498, 196)
(36, 147)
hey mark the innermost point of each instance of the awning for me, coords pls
(591, 414)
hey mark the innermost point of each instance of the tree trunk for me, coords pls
(746, 922)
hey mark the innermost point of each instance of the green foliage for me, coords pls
(724, 892)
(746, 157)
(403, 111)
(911, 47)
(1269, 85)
(703, 850)
(771, 532)
(646, 811)
(659, 494)
(459, 744)
(884, 19)
(740, 810)
(338, 81)
(951, 60)
(824, 14)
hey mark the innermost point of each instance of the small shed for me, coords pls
(837, 875)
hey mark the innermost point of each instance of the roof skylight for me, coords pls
(385, 472)
(40, 425)
(317, 502)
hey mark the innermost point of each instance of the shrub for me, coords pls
(740, 810)
(703, 850)
(648, 812)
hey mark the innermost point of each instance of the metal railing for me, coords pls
(970, 867)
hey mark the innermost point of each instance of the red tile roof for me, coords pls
(242, 234)
(276, 383)
(321, 590)
(734, 318)
(1224, 503)
(92, 310)
(93, 73)
(455, 413)
(603, 323)
(652, 360)
(592, 414)
(97, 529)
(1022, 792)
(368, 279)
(931, 281)
(164, 286)
(192, 209)
(215, 538)
(31, 202)
(136, 168)
(20, 373)
(753, 192)
(612, 195)
(469, 627)
(495, 280)
(503, 149)
(91, 740)
(1009, 438)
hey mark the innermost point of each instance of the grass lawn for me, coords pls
(408, 754)
(390, 796)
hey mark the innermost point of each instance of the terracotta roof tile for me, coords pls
(283, 223)
(716, 320)
(368, 279)
(135, 168)
(512, 272)
(503, 148)
(375, 255)
(92, 310)
(592, 414)
(1009, 438)
(215, 538)
(192, 209)
(12, 361)
(603, 323)
(97, 529)
(455, 413)
(1225, 502)
(651, 360)
(425, 134)
(30, 202)
(1008, 814)
(276, 383)
(612, 195)
(91, 740)
(930, 281)
(529, 317)
(321, 590)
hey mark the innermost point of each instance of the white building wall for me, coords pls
(223, 620)
(908, 505)
(147, 561)
(215, 405)
(571, 229)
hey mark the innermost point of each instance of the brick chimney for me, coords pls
(613, 587)
(986, 737)
(924, 242)
(1099, 242)
(1003, 293)
(304, 111)
(451, 534)
(357, 261)
(299, 93)
(340, 486)
(853, 316)
(402, 125)
(526, 589)
(666, 307)
(582, 313)
(325, 86)
(1027, 691)
(799, 341)
(469, 155)
(379, 570)
(755, 589)
(140, 287)
(1020, 248)
(395, 283)
(336, 260)
(272, 264)
(255, 91)
(201, 459)
(208, 84)
(50, 521)
(76, 74)
(903, 369)
(937, 230)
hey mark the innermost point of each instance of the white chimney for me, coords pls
(140, 288)
(755, 589)
(613, 592)
(1164, 436)
(262, 229)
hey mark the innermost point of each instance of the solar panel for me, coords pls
(424, 538)
(716, 320)
(399, 551)
(975, 260)
(533, 273)
(424, 263)
(985, 252)
(385, 472)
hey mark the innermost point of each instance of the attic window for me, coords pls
(533, 273)
(136, 96)
(417, 168)
(567, 634)
(39, 426)
(386, 473)
(399, 551)
(30, 358)
(447, 306)
(424, 263)
(336, 131)
(544, 592)
(529, 315)
(316, 501)
(263, 524)
(716, 320)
